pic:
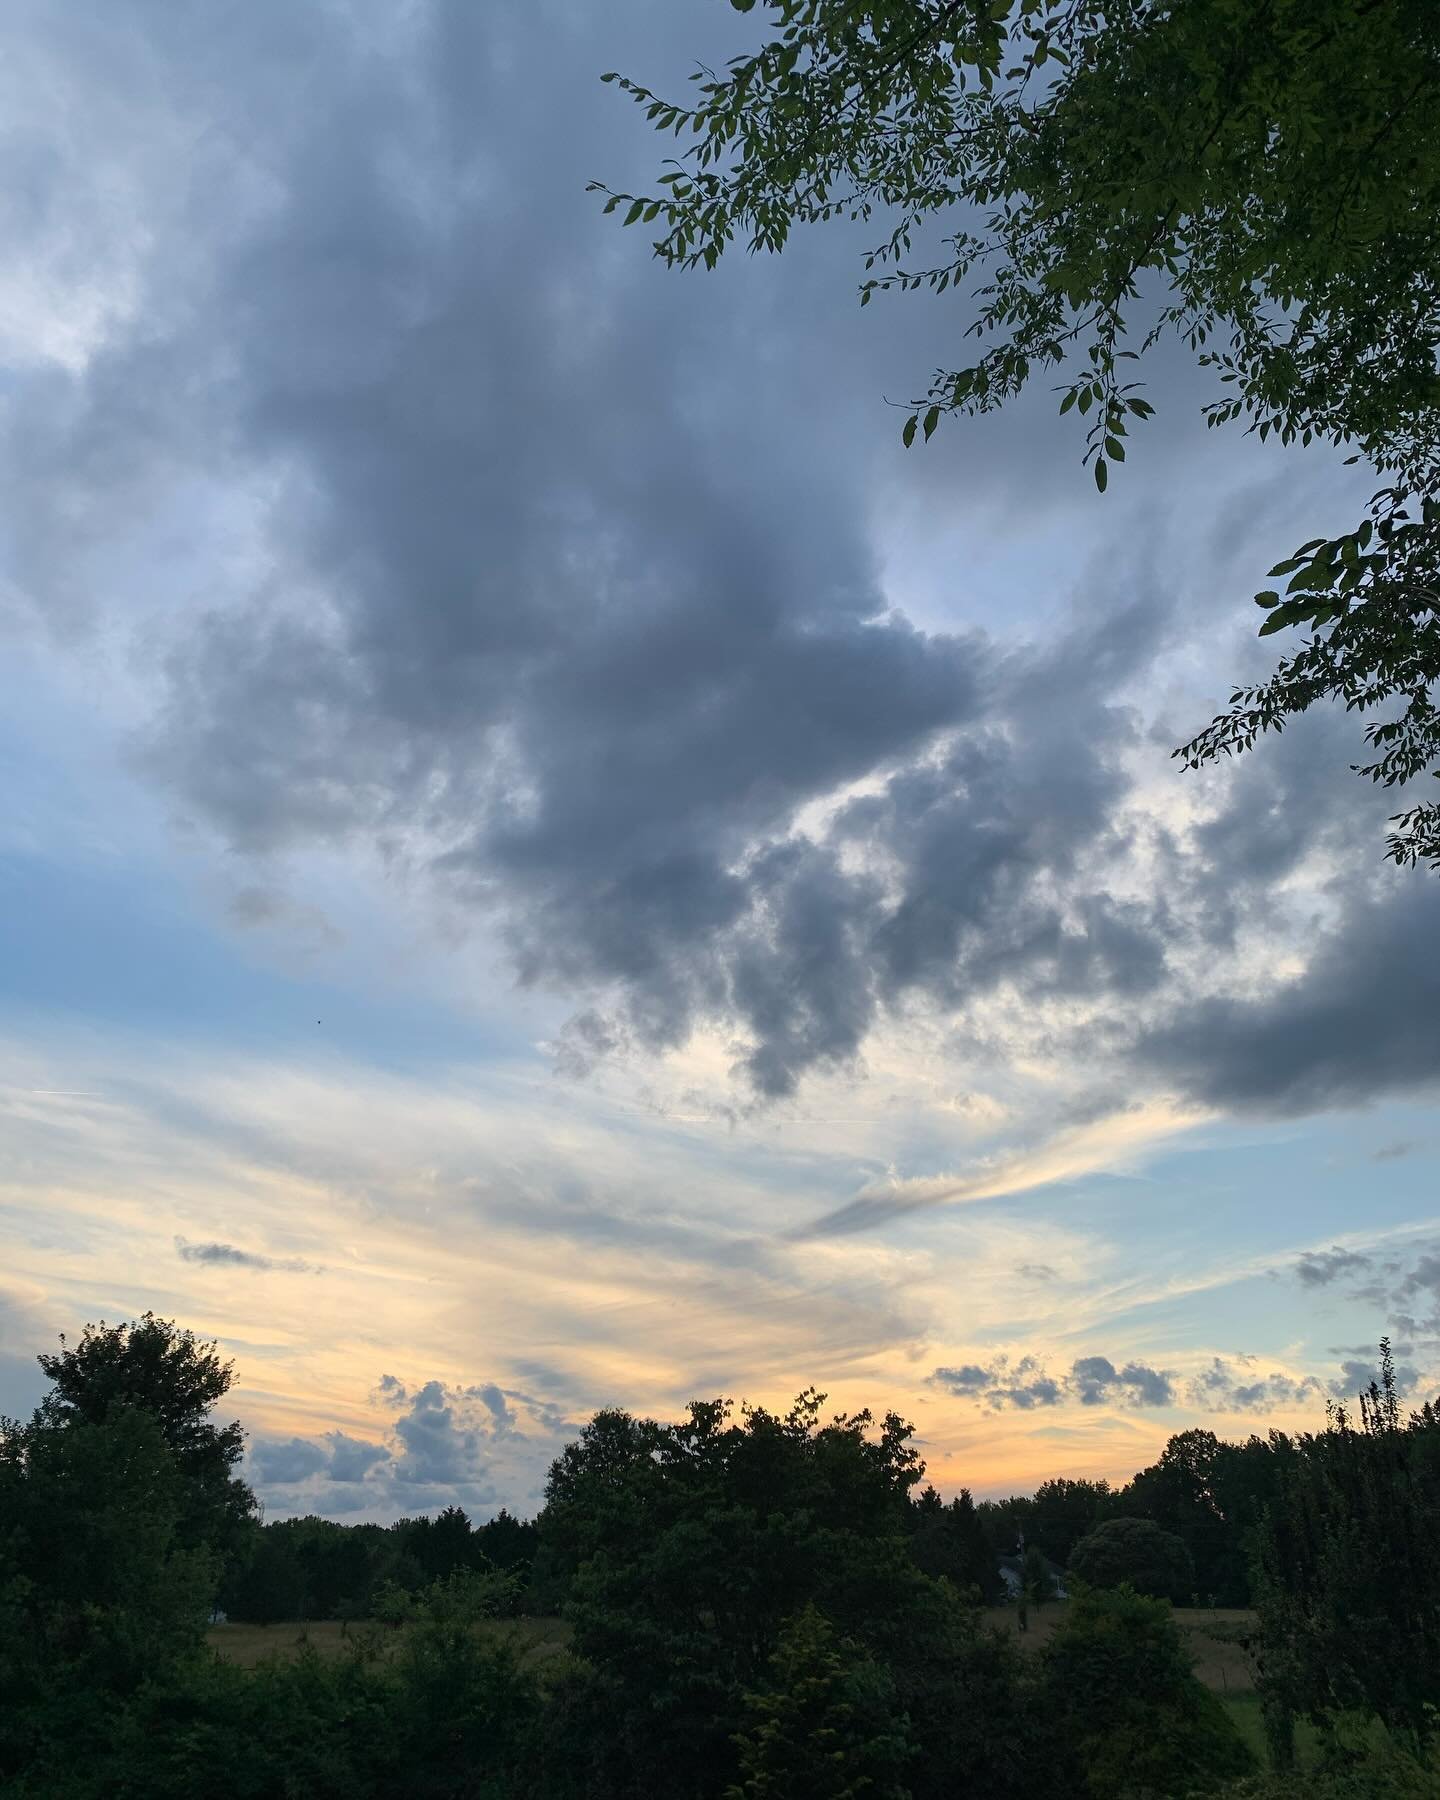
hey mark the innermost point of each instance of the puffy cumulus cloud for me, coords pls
(479, 1446)
(1238, 1385)
(495, 1403)
(1358, 1374)
(436, 1450)
(227, 1256)
(1098, 1382)
(1023, 1384)
(1092, 1381)
(549, 590)
(336, 1456)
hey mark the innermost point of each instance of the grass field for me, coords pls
(1213, 1638)
(251, 1644)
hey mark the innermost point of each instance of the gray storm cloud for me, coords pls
(568, 600)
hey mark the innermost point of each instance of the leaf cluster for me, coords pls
(1260, 180)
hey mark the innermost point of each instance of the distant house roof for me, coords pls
(1011, 1574)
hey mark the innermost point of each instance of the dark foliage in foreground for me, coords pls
(761, 1605)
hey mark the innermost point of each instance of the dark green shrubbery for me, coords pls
(825, 1726)
(1128, 1713)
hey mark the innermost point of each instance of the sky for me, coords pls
(548, 863)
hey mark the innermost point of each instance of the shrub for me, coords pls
(1120, 1693)
(825, 1726)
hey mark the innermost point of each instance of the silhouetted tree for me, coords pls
(951, 1541)
(178, 1379)
(1138, 1553)
(1349, 1569)
(100, 1591)
(1061, 1512)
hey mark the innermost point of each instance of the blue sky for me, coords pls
(547, 862)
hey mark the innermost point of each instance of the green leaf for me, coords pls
(1267, 599)
(635, 212)
(1067, 403)
(907, 436)
(1102, 474)
(932, 419)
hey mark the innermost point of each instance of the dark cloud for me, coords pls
(436, 1450)
(1396, 1151)
(226, 1256)
(1097, 1382)
(351, 1459)
(281, 1462)
(285, 1460)
(495, 1403)
(966, 1379)
(1356, 1377)
(1401, 1285)
(1092, 1381)
(1318, 1268)
(1023, 1385)
(566, 596)
(1359, 1022)
(1238, 1387)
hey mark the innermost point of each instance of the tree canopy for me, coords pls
(1260, 180)
(155, 1367)
(1138, 1552)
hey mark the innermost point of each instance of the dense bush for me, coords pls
(1388, 1774)
(825, 1726)
(1129, 1716)
(445, 1711)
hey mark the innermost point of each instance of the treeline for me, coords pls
(1209, 1494)
(1206, 1495)
(313, 1568)
(760, 1606)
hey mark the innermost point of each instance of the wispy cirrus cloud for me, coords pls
(1111, 1143)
